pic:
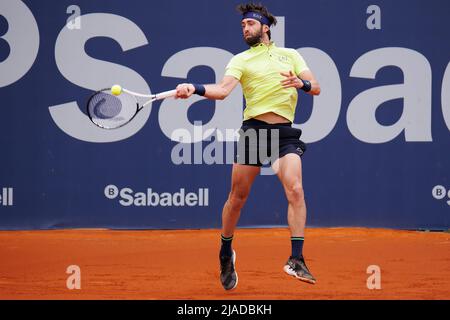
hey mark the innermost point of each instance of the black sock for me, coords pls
(297, 246)
(225, 250)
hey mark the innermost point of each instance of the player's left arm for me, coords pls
(305, 81)
(309, 76)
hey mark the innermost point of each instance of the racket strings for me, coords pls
(109, 111)
(105, 106)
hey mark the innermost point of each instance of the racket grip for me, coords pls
(165, 94)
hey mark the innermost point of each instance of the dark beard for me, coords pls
(254, 40)
(251, 41)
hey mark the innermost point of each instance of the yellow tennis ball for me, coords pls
(116, 90)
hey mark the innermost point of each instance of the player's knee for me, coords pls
(295, 194)
(236, 199)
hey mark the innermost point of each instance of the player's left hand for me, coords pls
(291, 81)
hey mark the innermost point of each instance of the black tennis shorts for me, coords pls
(262, 143)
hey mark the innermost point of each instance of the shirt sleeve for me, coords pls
(299, 63)
(235, 68)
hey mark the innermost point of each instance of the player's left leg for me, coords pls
(289, 171)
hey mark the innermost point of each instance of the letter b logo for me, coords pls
(439, 192)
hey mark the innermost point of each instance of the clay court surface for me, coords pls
(184, 264)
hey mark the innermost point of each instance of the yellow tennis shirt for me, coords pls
(258, 69)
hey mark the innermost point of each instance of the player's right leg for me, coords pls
(242, 178)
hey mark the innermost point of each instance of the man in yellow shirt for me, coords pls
(270, 77)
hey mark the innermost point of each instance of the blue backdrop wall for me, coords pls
(378, 135)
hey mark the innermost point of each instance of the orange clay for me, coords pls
(172, 264)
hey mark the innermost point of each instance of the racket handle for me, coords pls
(157, 96)
(165, 94)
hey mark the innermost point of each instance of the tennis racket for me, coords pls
(111, 111)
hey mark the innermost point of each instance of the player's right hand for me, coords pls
(184, 91)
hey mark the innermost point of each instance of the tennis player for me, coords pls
(270, 77)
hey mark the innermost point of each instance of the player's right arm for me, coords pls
(233, 73)
(217, 91)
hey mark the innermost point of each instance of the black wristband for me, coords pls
(306, 85)
(199, 89)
